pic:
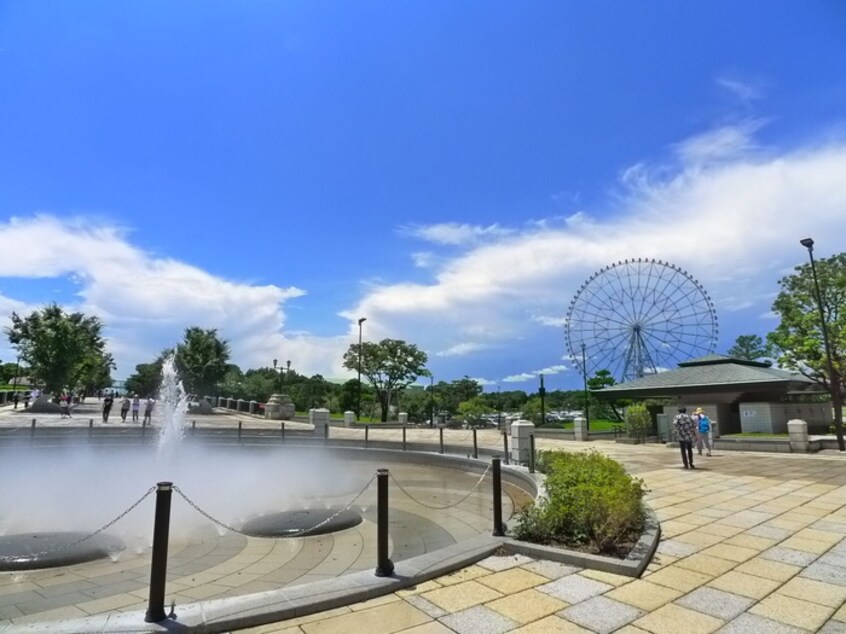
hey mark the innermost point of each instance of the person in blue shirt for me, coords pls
(703, 431)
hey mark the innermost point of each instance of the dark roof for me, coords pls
(711, 359)
(719, 372)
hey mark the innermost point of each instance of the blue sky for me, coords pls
(453, 171)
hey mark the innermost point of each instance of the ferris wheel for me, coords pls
(636, 317)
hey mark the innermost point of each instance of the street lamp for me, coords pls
(542, 393)
(431, 400)
(275, 361)
(358, 404)
(587, 396)
(833, 377)
(498, 408)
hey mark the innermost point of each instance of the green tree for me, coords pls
(146, 380)
(474, 410)
(603, 407)
(201, 359)
(58, 346)
(798, 341)
(389, 365)
(750, 347)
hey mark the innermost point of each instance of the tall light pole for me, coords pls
(498, 408)
(275, 361)
(587, 395)
(431, 400)
(542, 394)
(833, 376)
(358, 404)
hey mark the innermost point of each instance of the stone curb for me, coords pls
(223, 615)
(632, 566)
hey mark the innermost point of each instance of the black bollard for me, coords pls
(193, 427)
(505, 445)
(532, 453)
(366, 436)
(32, 429)
(326, 431)
(497, 498)
(441, 435)
(475, 445)
(403, 437)
(282, 424)
(239, 429)
(158, 569)
(384, 566)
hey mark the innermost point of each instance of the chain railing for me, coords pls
(436, 507)
(299, 533)
(106, 526)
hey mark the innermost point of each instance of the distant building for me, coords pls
(739, 395)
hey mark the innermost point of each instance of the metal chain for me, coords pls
(87, 537)
(298, 533)
(14, 429)
(448, 506)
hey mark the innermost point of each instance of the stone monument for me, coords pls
(279, 407)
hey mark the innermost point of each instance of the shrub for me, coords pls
(638, 421)
(591, 503)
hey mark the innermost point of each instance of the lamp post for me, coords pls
(358, 403)
(275, 361)
(542, 394)
(833, 377)
(431, 400)
(587, 396)
(498, 408)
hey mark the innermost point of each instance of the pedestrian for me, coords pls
(26, 400)
(148, 410)
(15, 398)
(64, 405)
(703, 431)
(124, 409)
(136, 407)
(107, 407)
(684, 426)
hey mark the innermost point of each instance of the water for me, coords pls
(172, 406)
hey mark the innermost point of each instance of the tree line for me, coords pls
(59, 350)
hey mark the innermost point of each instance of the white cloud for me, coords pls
(483, 382)
(732, 223)
(554, 369)
(461, 349)
(455, 234)
(546, 320)
(727, 142)
(743, 91)
(519, 378)
(145, 301)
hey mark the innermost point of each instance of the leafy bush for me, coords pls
(591, 503)
(638, 421)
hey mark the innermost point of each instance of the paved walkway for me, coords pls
(751, 543)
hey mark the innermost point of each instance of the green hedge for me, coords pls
(592, 504)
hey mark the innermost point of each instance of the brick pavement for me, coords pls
(750, 543)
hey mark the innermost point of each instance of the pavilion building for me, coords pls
(738, 395)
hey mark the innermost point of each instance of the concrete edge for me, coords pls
(222, 615)
(632, 566)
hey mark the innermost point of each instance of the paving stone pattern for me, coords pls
(750, 543)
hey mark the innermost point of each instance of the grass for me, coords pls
(753, 434)
(595, 424)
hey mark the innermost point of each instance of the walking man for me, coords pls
(685, 433)
(124, 408)
(107, 407)
(148, 410)
(136, 407)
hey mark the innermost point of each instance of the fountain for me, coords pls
(78, 486)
